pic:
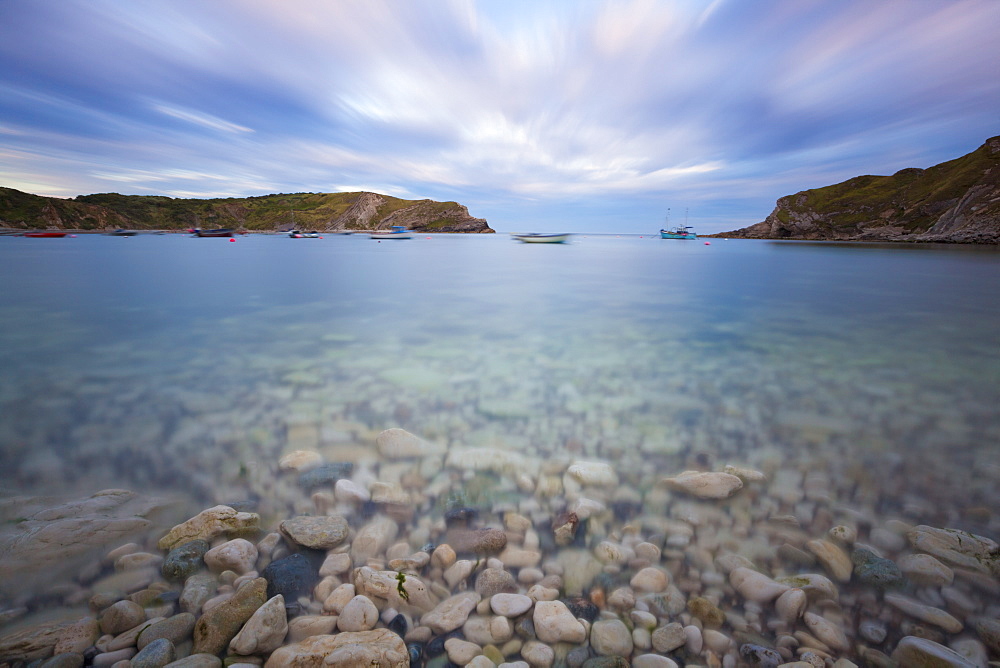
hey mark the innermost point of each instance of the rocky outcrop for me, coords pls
(39, 541)
(330, 212)
(953, 202)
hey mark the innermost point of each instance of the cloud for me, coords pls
(197, 118)
(503, 103)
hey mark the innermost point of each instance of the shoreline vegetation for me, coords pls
(325, 212)
(954, 202)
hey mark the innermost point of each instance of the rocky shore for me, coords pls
(524, 562)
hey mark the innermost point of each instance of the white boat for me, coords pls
(397, 232)
(539, 238)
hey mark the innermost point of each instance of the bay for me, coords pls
(187, 367)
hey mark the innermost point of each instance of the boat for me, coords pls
(397, 232)
(221, 232)
(681, 232)
(123, 233)
(45, 235)
(678, 232)
(540, 238)
(296, 234)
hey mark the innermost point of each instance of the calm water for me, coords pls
(186, 367)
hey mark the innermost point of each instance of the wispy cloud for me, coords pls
(500, 105)
(197, 118)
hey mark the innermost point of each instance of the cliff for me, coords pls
(328, 212)
(955, 202)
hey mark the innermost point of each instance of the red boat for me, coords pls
(55, 235)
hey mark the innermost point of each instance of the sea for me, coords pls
(862, 380)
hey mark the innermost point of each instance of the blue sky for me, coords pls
(578, 116)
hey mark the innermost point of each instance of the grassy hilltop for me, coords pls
(955, 201)
(307, 211)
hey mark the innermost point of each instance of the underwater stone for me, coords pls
(875, 571)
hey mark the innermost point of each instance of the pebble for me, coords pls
(706, 485)
(755, 586)
(925, 613)
(538, 654)
(156, 654)
(300, 460)
(290, 576)
(833, 558)
(265, 631)
(669, 637)
(211, 523)
(610, 638)
(923, 653)
(107, 659)
(653, 661)
(925, 571)
(360, 614)
(554, 623)
(876, 571)
(451, 613)
(650, 579)
(827, 632)
(238, 555)
(510, 605)
(121, 616)
(790, 605)
(461, 652)
(379, 647)
(177, 629)
(313, 532)
(216, 628)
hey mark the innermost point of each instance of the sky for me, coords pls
(574, 116)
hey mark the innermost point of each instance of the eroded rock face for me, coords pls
(52, 540)
(907, 206)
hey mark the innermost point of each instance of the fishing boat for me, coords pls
(397, 232)
(678, 232)
(221, 232)
(540, 238)
(296, 234)
(45, 235)
(123, 233)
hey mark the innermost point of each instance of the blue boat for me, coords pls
(681, 232)
(678, 232)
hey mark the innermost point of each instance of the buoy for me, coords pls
(708, 243)
(231, 240)
(427, 237)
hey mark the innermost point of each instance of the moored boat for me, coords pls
(540, 238)
(678, 232)
(48, 234)
(682, 232)
(123, 233)
(221, 232)
(397, 232)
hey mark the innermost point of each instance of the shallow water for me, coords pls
(186, 367)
